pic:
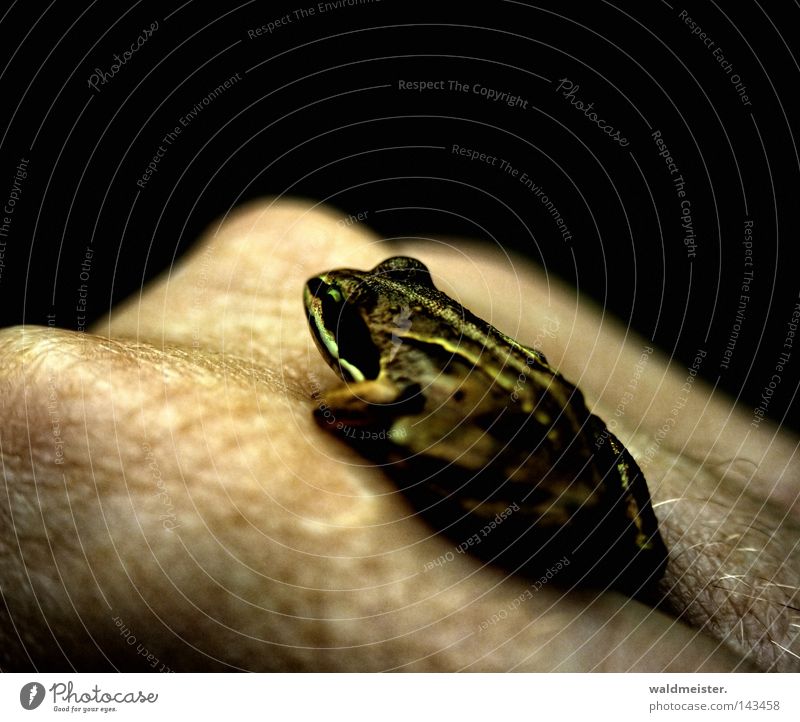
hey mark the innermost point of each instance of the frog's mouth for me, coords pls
(340, 332)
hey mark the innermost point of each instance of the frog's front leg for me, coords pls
(366, 403)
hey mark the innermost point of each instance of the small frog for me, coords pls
(493, 445)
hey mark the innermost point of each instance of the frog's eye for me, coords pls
(341, 333)
(403, 268)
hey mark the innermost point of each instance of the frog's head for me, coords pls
(355, 315)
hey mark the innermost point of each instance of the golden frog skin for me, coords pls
(494, 447)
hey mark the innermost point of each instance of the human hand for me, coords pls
(166, 484)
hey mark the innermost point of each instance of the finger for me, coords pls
(240, 288)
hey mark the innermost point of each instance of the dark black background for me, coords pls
(318, 113)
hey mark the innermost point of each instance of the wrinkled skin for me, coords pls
(201, 520)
